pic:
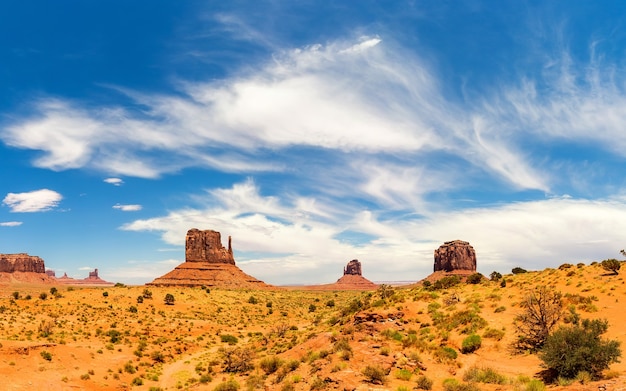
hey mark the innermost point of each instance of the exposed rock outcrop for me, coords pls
(206, 246)
(11, 263)
(22, 268)
(455, 255)
(208, 263)
(353, 268)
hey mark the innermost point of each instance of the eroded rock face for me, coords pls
(353, 268)
(208, 263)
(455, 255)
(206, 246)
(11, 263)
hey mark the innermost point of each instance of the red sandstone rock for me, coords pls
(455, 255)
(206, 246)
(11, 263)
(208, 263)
(353, 268)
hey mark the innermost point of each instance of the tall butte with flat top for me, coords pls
(208, 263)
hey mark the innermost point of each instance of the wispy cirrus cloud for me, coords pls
(33, 201)
(10, 223)
(128, 207)
(358, 98)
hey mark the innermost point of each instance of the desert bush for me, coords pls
(445, 354)
(137, 381)
(570, 350)
(129, 367)
(105, 294)
(270, 364)
(147, 294)
(385, 291)
(474, 278)
(139, 299)
(565, 266)
(16, 295)
(403, 374)
(354, 306)
(230, 339)
(169, 299)
(45, 328)
(454, 385)
(43, 295)
(484, 375)
(237, 359)
(446, 282)
(312, 307)
(495, 276)
(518, 270)
(253, 300)
(542, 310)
(330, 303)
(471, 343)
(46, 355)
(611, 265)
(494, 334)
(374, 374)
(424, 383)
(535, 385)
(230, 385)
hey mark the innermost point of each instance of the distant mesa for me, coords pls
(23, 268)
(208, 263)
(92, 279)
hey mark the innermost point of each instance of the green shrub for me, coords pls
(374, 374)
(475, 278)
(535, 385)
(518, 270)
(495, 276)
(403, 374)
(471, 344)
(611, 265)
(570, 350)
(424, 383)
(46, 355)
(270, 364)
(169, 299)
(43, 295)
(253, 300)
(484, 375)
(494, 334)
(447, 282)
(230, 385)
(230, 339)
(454, 385)
(446, 353)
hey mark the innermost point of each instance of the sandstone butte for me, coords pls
(352, 279)
(208, 263)
(23, 268)
(92, 280)
(455, 257)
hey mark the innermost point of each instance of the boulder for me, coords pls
(455, 255)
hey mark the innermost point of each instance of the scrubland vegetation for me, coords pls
(505, 332)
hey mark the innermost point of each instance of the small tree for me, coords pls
(237, 359)
(611, 265)
(475, 278)
(542, 311)
(571, 350)
(495, 276)
(169, 299)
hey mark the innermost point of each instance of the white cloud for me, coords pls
(280, 244)
(128, 208)
(114, 181)
(10, 224)
(34, 201)
(349, 99)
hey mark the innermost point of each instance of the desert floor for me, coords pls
(117, 338)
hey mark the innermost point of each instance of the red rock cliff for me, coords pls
(11, 263)
(455, 255)
(206, 246)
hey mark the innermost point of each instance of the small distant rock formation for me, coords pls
(455, 255)
(92, 279)
(352, 279)
(22, 268)
(208, 263)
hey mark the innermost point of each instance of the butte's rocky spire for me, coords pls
(455, 255)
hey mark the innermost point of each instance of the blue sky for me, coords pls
(313, 133)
